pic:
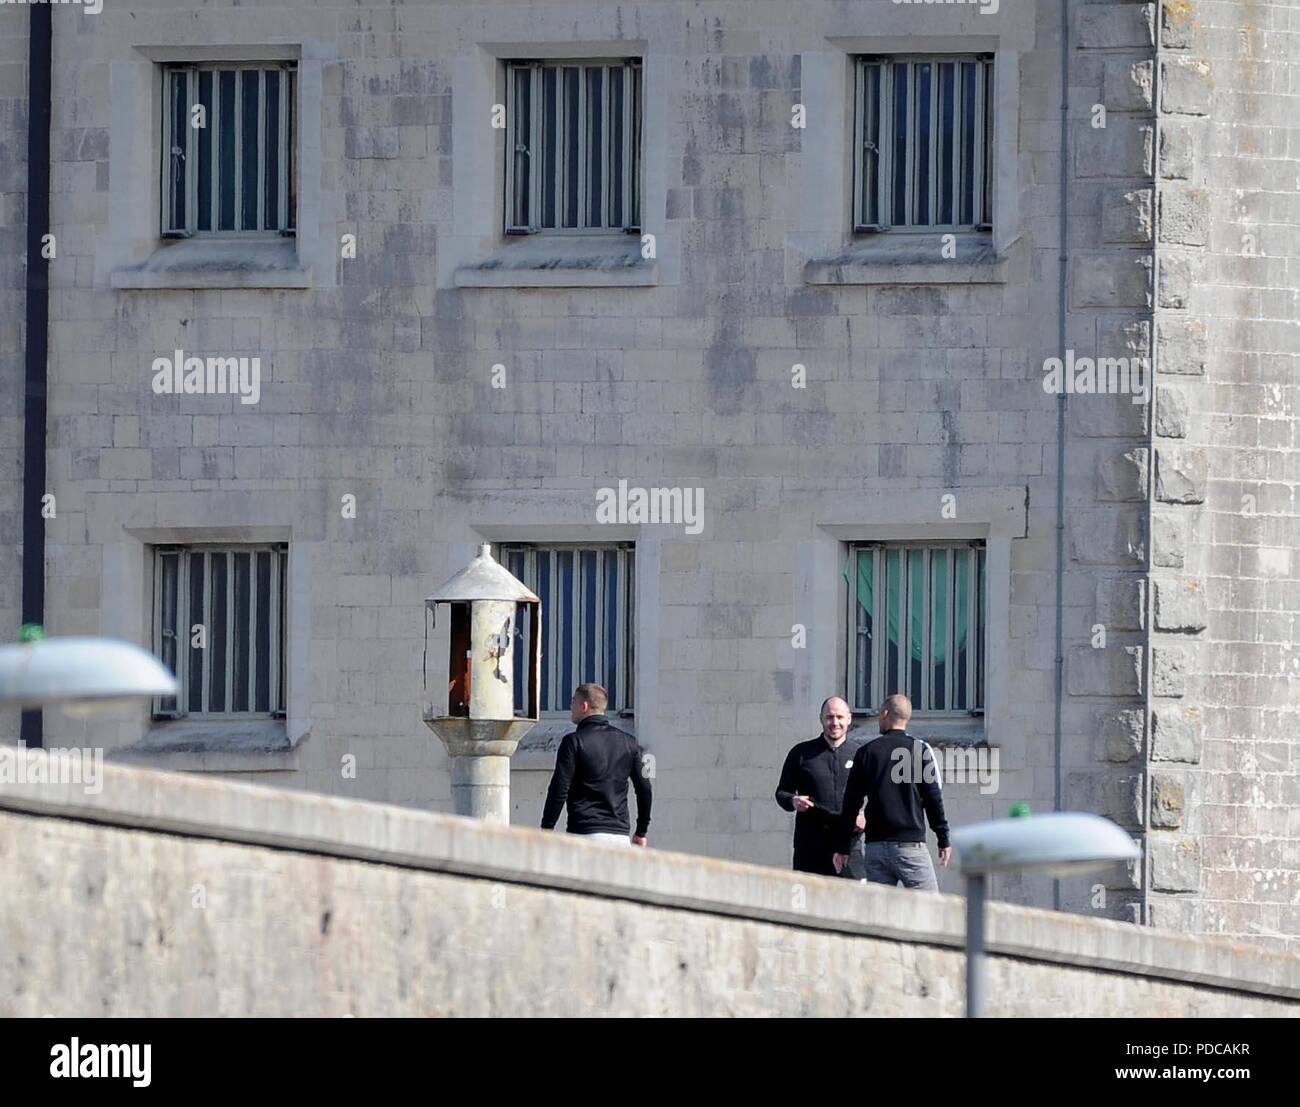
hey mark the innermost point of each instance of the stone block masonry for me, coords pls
(181, 897)
(381, 451)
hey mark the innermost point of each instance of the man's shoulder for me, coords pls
(607, 731)
(880, 745)
(892, 740)
(808, 747)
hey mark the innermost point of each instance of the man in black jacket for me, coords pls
(901, 782)
(812, 785)
(592, 769)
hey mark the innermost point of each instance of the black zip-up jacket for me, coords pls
(815, 770)
(592, 769)
(902, 784)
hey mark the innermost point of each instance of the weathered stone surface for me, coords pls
(1181, 347)
(1168, 801)
(1126, 84)
(1115, 282)
(1182, 475)
(1179, 913)
(1123, 476)
(916, 386)
(1171, 411)
(1168, 540)
(378, 910)
(1171, 668)
(1184, 216)
(1107, 537)
(1121, 602)
(1111, 25)
(1177, 150)
(1115, 670)
(1100, 416)
(1120, 337)
(1175, 863)
(1123, 148)
(1178, 24)
(1174, 279)
(1126, 216)
(1176, 733)
(1113, 795)
(1119, 734)
(1186, 86)
(1180, 605)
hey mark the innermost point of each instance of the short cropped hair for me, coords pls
(899, 707)
(592, 694)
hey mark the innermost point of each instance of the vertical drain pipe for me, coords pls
(1062, 404)
(36, 354)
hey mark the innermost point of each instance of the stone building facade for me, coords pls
(429, 382)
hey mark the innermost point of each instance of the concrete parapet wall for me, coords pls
(167, 895)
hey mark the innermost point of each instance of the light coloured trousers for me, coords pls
(608, 839)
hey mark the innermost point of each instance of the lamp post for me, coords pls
(1058, 844)
(40, 671)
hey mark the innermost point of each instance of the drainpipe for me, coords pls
(1062, 406)
(36, 367)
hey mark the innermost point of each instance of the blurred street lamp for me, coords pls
(86, 672)
(1063, 843)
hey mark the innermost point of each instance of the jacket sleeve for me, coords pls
(641, 785)
(931, 788)
(558, 792)
(787, 786)
(855, 791)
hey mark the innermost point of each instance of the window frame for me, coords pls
(977, 612)
(277, 686)
(633, 130)
(625, 633)
(983, 145)
(288, 113)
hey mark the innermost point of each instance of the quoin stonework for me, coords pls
(488, 269)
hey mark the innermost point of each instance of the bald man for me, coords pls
(899, 778)
(812, 786)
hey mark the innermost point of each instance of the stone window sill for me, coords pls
(910, 259)
(218, 263)
(213, 745)
(562, 261)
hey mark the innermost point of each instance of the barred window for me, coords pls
(227, 149)
(219, 625)
(573, 142)
(916, 626)
(924, 128)
(587, 595)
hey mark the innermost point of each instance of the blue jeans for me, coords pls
(890, 862)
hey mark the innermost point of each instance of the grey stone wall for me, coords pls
(1225, 692)
(188, 897)
(923, 380)
(13, 234)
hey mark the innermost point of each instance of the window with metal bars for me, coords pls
(227, 149)
(916, 626)
(573, 143)
(924, 130)
(587, 595)
(219, 625)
